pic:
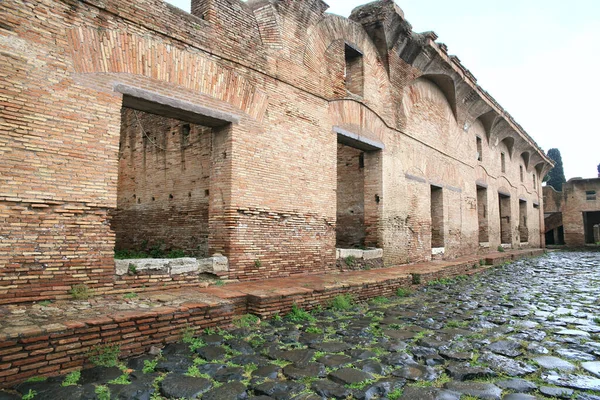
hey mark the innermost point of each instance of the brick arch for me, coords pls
(332, 29)
(358, 119)
(115, 52)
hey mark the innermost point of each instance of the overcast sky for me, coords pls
(540, 59)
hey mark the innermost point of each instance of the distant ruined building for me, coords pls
(572, 216)
(255, 137)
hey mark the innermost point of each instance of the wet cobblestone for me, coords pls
(526, 330)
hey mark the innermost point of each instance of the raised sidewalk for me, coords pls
(51, 339)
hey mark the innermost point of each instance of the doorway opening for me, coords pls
(437, 217)
(505, 215)
(523, 229)
(350, 227)
(163, 187)
(482, 215)
(590, 219)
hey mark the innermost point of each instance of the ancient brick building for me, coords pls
(573, 215)
(267, 131)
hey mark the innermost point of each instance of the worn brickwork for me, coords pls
(579, 204)
(270, 79)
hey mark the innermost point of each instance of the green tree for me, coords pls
(598, 168)
(556, 176)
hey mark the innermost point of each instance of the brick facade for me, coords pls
(579, 206)
(274, 83)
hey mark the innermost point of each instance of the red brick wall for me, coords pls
(277, 69)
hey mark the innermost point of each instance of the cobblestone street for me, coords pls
(527, 330)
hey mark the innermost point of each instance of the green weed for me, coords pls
(246, 321)
(105, 355)
(149, 366)
(102, 392)
(350, 261)
(121, 380)
(342, 302)
(194, 372)
(71, 379)
(300, 315)
(81, 292)
(29, 395)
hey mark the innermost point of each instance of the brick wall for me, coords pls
(275, 73)
(577, 208)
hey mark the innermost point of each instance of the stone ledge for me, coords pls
(366, 254)
(172, 266)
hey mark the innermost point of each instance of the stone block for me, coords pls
(437, 251)
(372, 254)
(214, 264)
(356, 253)
(141, 264)
(182, 265)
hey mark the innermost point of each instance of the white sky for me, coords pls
(538, 58)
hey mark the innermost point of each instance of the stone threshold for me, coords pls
(52, 339)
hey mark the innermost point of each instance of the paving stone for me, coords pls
(427, 393)
(213, 340)
(299, 356)
(576, 355)
(560, 393)
(517, 385)
(456, 355)
(573, 332)
(348, 376)
(211, 353)
(371, 367)
(250, 359)
(476, 389)
(176, 365)
(308, 370)
(334, 360)
(416, 372)
(549, 362)
(330, 347)
(593, 367)
(330, 390)
(229, 374)
(58, 392)
(519, 396)
(383, 387)
(100, 375)
(267, 372)
(578, 382)
(241, 346)
(464, 372)
(178, 386)
(508, 348)
(227, 391)
(506, 365)
(9, 396)
(279, 390)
